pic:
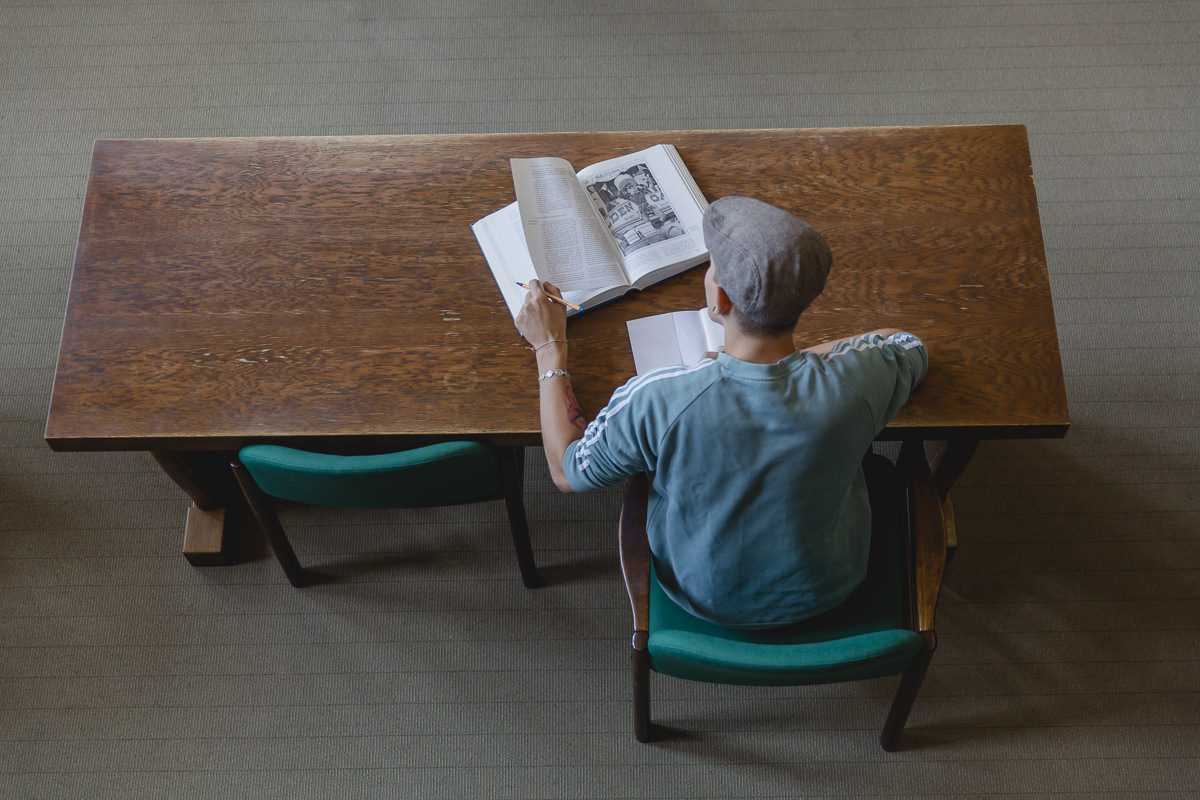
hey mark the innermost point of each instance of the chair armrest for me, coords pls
(927, 525)
(635, 555)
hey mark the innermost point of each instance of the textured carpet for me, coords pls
(1069, 657)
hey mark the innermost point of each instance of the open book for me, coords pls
(680, 337)
(622, 224)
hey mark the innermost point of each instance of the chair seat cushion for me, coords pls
(864, 637)
(718, 660)
(436, 475)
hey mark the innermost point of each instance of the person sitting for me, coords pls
(758, 513)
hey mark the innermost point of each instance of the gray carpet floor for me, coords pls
(1069, 661)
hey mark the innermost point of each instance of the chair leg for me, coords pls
(643, 729)
(906, 695)
(511, 469)
(269, 522)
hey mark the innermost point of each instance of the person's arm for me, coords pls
(883, 371)
(543, 323)
(825, 347)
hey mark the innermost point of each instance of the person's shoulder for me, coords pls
(664, 384)
(664, 378)
(876, 362)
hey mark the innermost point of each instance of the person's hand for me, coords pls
(541, 320)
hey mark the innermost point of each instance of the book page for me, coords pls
(677, 338)
(652, 208)
(567, 243)
(502, 239)
(654, 342)
(697, 335)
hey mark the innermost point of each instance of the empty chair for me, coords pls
(884, 628)
(448, 473)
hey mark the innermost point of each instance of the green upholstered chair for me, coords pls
(449, 473)
(884, 628)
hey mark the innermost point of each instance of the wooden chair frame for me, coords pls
(925, 553)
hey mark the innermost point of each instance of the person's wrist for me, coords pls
(549, 341)
(552, 356)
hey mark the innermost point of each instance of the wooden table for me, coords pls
(328, 291)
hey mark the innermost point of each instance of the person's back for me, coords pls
(758, 510)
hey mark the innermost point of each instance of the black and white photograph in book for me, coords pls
(635, 208)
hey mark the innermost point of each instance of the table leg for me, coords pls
(206, 478)
(948, 460)
(204, 537)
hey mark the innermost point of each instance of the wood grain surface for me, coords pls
(307, 289)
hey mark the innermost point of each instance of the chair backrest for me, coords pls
(441, 474)
(885, 627)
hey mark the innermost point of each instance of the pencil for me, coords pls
(555, 298)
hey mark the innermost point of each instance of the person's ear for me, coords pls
(723, 304)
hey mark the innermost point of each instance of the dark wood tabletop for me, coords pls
(327, 289)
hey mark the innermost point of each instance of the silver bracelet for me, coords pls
(547, 344)
(552, 373)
